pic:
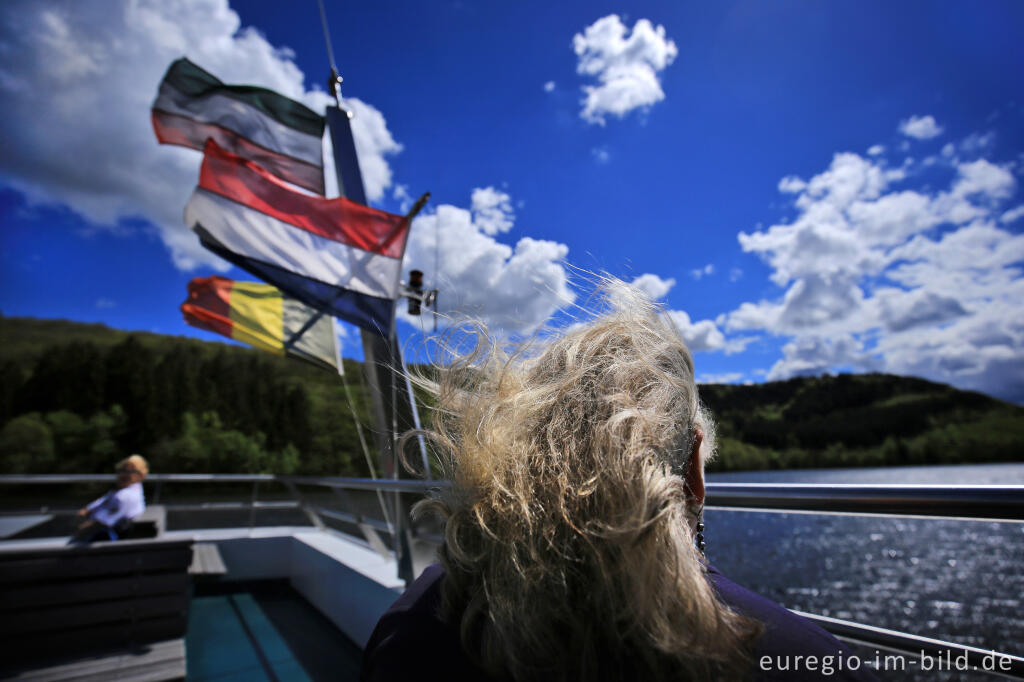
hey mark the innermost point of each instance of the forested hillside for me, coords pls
(860, 420)
(75, 397)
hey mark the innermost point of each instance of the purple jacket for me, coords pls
(411, 642)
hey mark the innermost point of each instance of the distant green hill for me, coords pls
(860, 420)
(74, 397)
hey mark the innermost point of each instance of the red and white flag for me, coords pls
(335, 255)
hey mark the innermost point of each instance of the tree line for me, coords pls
(81, 405)
(74, 398)
(852, 420)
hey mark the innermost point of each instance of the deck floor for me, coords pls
(264, 631)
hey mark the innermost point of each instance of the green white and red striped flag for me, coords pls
(277, 133)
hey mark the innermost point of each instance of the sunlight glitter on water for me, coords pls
(953, 580)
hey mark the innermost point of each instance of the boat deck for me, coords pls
(341, 560)
(273, 603)
(264, 631)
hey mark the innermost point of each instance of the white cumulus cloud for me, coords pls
(626, 66)
(700, 336)
(876, 275)
(373, 143)
(724, 378)
(655, 287)
(813, 354)
(698, 273)
(492, 210)
(513, 289)
(920, 127)
(792, 185)
(1012, 215)
(78, 80)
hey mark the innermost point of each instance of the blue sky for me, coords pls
(809, 187)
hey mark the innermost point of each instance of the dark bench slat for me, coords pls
(76, 566)
(61, 602)
(94, 549)
(102, 589)
(32, 647)
(158, 661)
(84, 615)
(167, 670)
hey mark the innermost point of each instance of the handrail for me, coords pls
(980, 502)
(152, 478)
(188, 506)
(918, 648)
(988, 502)
(992, 502)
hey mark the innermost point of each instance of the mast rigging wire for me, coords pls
(327, 38)
(366, 451)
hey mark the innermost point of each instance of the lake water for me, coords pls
(961, 581)
(962, 474)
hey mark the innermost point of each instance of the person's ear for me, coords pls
(695, 472)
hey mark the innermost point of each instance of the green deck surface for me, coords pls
(264, 632)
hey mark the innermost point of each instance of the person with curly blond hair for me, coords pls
(573, 535)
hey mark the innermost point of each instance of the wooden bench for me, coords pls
(120, 597)
(207, 563)
(151, 523)
(155, 662)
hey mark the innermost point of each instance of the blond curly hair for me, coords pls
(568, 551)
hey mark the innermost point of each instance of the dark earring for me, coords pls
(699, 539)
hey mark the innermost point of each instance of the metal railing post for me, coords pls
(368, 531)
(307, 508)
(252, 504)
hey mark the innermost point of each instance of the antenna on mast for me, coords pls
(327, 38)
(335, 79)
(437, 268)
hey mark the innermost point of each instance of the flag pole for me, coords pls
(391, 395)
(398, 229)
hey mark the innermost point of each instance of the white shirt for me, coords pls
(118, 505)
